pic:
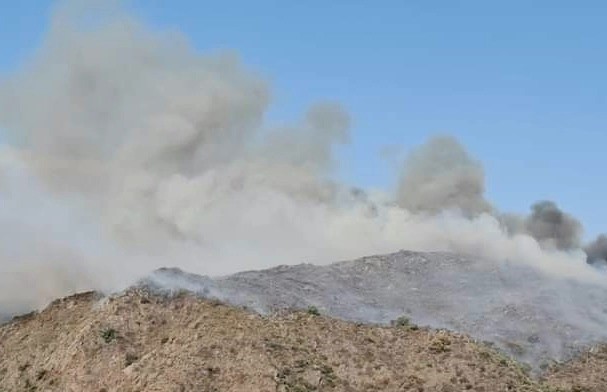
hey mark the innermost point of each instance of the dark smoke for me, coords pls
(552, 227)
(597, 250)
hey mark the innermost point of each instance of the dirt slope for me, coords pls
(141, 342)
(533, 317)
(587, 372)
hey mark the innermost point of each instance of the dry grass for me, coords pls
(137, 342)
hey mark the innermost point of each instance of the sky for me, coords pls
(520, 83)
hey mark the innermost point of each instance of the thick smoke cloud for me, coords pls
(597, 250)
(125, 118)
(553, 227)
(441, 175)
(132, 151)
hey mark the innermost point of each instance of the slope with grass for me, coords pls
(142, 342)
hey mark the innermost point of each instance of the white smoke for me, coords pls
(133, 151)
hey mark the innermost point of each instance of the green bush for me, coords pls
(313, 310)
(109, 334)
(402, 321)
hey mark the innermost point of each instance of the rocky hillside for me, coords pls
(533, 317)
(139, 341)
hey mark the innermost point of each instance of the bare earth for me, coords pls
(142, 342)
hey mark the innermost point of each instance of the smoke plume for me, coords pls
(597, 250)
(550, 225)
(441, 175)
(131, 151)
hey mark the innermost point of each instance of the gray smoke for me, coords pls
(131, 150)
(597, 250)
(550, 225)
(441, 175)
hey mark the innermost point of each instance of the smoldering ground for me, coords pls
(130, 151)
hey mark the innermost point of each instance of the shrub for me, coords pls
(402, 321)
(313, 310)
(109, 334)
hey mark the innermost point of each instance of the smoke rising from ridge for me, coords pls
(133, 151)
(597, 250)
(441, 175)
(548, 223)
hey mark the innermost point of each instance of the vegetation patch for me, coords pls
(313, 310)
(109, 335)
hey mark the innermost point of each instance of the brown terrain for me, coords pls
(141, 342)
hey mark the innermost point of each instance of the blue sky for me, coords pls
(521, 83)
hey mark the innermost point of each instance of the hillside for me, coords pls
(533, 317)
(137, 341)
(406, 321)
